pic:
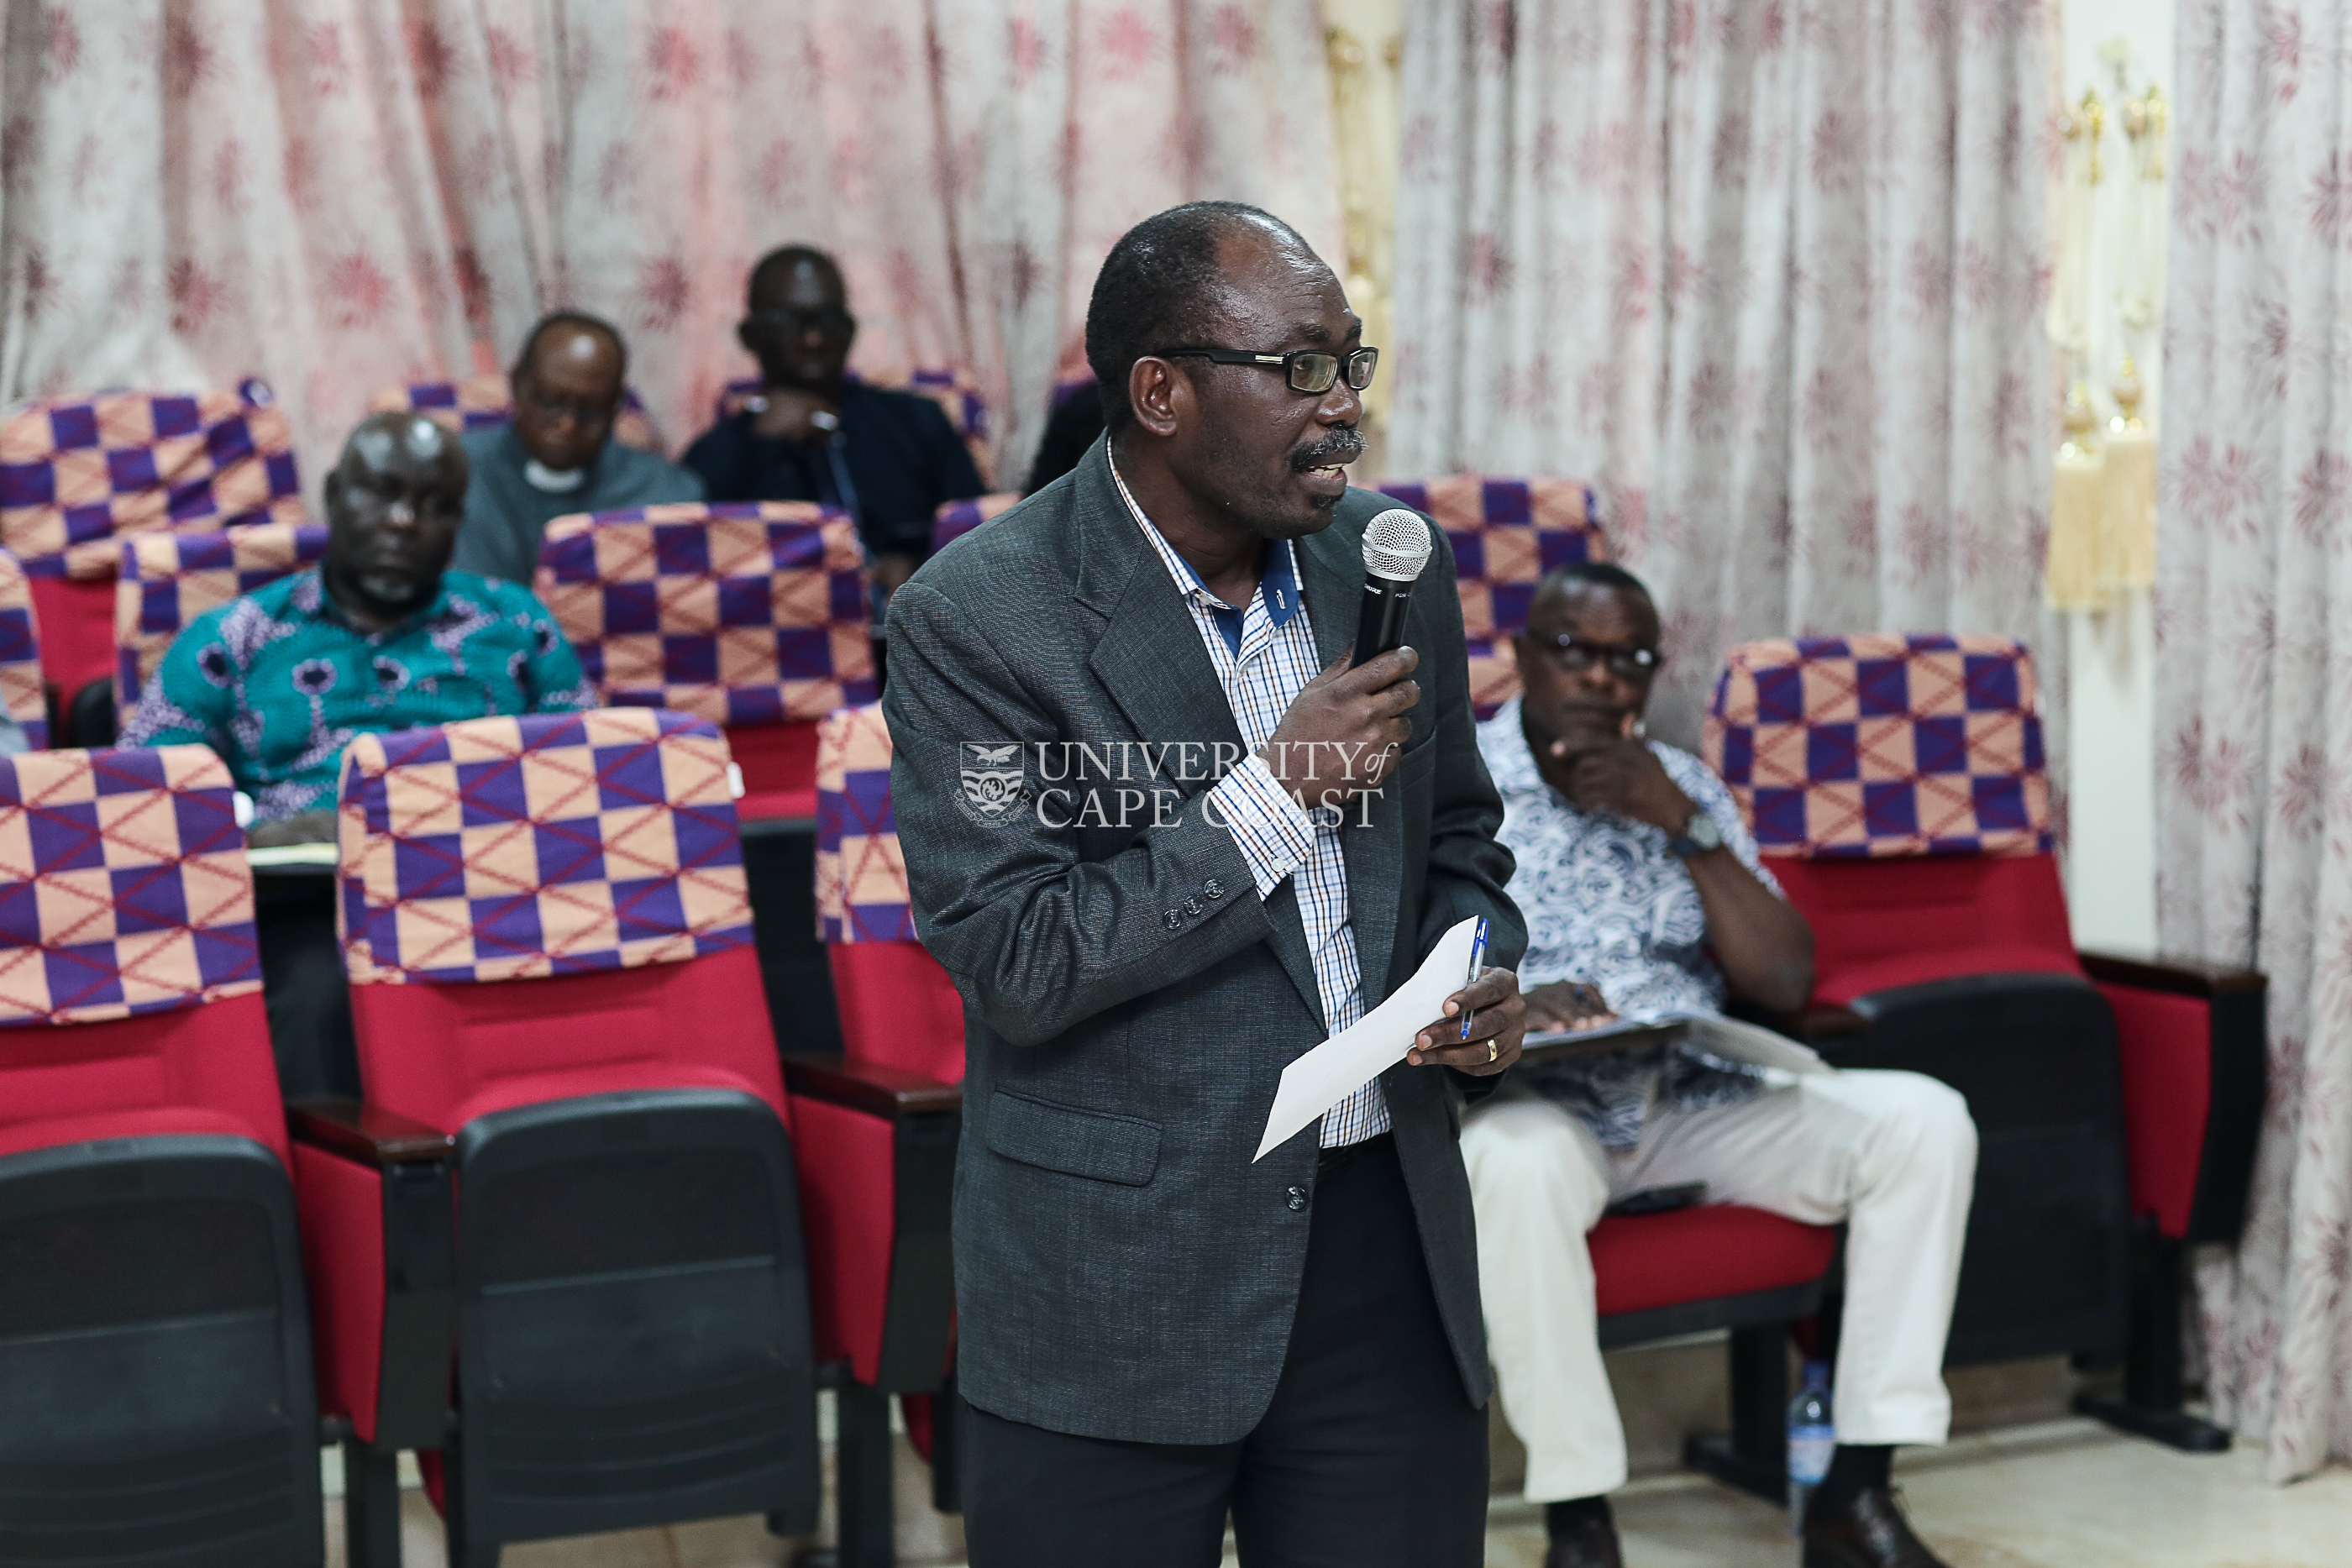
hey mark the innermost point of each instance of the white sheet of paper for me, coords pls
(1371, 1045)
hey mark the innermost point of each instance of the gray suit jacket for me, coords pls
(1123, 1271)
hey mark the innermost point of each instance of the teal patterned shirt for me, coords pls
(279, 682)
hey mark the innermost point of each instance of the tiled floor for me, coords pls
(2063, 1494)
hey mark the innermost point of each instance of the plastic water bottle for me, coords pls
(1811, 1439)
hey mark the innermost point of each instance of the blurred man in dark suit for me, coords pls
(889, 459)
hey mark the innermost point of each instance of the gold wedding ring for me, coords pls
(1494, 1049)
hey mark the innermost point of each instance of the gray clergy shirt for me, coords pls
(506, 513)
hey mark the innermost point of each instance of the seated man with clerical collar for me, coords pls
(1643, 894)
(557, 456)
(889, 459)
(380, 635)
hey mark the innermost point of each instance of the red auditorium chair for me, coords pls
(1897, 783)
(156, 1398)
(1719, 1266)
(573, 1160)
(877, 1133)
(78, 472)
(479, 401)
(956, 392)
(166, 581)
(956, 519)
(754, 616)
(1506, 533)
(22, 692)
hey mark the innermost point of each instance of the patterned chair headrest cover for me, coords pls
(478, 401)
(957, 394)
(21, 692)
(166, 581)
(1506, 533)
(748, 612)
(503, 848)
(75, 472)
(956, 519)
(1879, 743)
(123, 886)
(861, 873)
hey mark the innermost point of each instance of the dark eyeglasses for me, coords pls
(1307, 369)
(831, 320)
(1574, 655)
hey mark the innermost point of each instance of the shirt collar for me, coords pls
(1509, 762)
(311, 598)
(1278, 589)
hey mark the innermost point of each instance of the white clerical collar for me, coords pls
(554, 481)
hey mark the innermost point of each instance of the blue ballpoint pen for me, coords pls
(1477, 962)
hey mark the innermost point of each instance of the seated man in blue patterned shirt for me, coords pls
(380, 636)
(1643, 894)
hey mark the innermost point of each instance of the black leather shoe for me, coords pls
(1867, 1532)
(1588, 1543)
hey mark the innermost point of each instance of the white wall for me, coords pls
(2111, 858)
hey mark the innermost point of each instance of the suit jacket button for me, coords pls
(1193, 907)
(1175, 921)
(1296, 1198)
(1214, 888)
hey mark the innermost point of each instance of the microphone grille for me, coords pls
(1396, 545)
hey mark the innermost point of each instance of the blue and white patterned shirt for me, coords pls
(1608, 904)
(1264, 653)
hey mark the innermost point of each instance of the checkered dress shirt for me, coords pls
(1263, 653)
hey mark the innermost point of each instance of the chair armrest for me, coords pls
(2181, 976)
(368, 1133)
(864, 1086)
(1827, 1021)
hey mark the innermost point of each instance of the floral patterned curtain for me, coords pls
(2254, 665)
(343, 195)
(1770, 276)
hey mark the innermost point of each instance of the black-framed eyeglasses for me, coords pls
(1574, 655)
(830, 320)
(1307, 369)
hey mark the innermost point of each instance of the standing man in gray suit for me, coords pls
(1166, 840)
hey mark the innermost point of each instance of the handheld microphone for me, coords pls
(1396, 547)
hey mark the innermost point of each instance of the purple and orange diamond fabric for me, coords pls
(76, 472)
(748, 612)
(956, 519)
(861, 871)
(123, 886)
(1507, 534)
(1880, 744)
(480, 402)
(21, 692)
(168, 579)
(504, 849)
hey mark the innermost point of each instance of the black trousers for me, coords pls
(1371, 1454)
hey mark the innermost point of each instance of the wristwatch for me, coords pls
(1699, 835)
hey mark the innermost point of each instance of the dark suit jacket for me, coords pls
(905, 460)
(1123, 1271)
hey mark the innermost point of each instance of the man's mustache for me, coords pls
(1339, 447)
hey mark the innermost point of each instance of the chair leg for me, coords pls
(866, 1462)
(1754, 1457)
(2153, 1383)
(950, 1436)
(371, 1505)
(863, 1463)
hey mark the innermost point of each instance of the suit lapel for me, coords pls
(1331, 563)
(1151, 661)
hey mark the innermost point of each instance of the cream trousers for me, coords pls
(1892, 1154)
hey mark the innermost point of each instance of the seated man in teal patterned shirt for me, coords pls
(380, 635)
